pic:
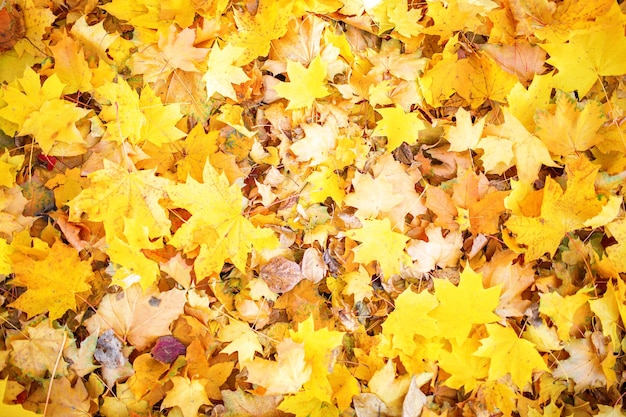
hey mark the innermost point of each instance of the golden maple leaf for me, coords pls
(51, 289)
(222, 71)
(305, 85)
(501, 346)
(380, 243)
(116, 193)
(456, 312)
(597, 53)
(222, 233)
(561, 211)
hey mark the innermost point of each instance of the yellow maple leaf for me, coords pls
(37, 355)
(306, 404)
(389, 387)
(70, 65)
(435, 83)
(480, 79)
(465, 369)
(404, 18)
(9, 165)
(255, 33)
(131, 265)
(283, 376)
(230, 235)
(524, 102)
(93, 38)
(561, 211)
(411, 307)
(529, 152)
(241, 339)
(5, 259)
(53, 126)
(358, 284)
(318, 352)
(325, 182)
(160, 119)
(174, 50)
(120, 111)
(187, 394)
(36, 109)
(616, 259)
(398, 126)
(305, 85)
(51, 289)
(461, 307)
(573, 127)
(345, 386)
(608, 411)
(147, 376)
(455, 16)
(115, 194)
(37, 19)
(195, 150)
(222, 71)
(510, 355)
(608, 309)
(464, 135)
(380, 243)
(557, 22)
(565, 311)
(596, 53)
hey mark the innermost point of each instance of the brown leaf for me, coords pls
(281, 274)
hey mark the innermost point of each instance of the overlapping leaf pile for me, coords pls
(322, 208)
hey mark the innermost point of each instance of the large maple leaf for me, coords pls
(222, 71)
(174, 50)
(573, 127)
(305, 85)
(53, 282)
(460, 307)
(222, 233)
(380, 243)
(116, 193)
(501, 347)
(36, 109)
(37, 355)
(561, 211)
(596, 53)
(285, 375)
